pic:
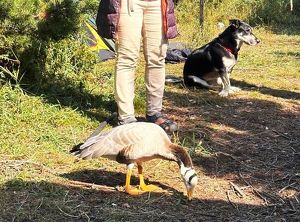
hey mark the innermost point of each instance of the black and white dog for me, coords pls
(212, 63)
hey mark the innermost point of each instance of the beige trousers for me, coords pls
(140, 20)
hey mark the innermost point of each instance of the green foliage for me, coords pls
(47, 39)
(271, 14)
(65, 92)
(67, 61)
(9, 70)
(60, 20)
(274, 12)
(30, 120)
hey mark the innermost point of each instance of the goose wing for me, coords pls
(99, 145)
(133, 141)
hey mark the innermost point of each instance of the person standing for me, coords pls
(129, 22)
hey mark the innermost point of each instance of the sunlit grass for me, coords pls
(33, 129)
(41, 121)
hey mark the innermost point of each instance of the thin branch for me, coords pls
(66, 214)
(91, 185)
(254, 190)
(237, 189)
(284, 188)
(228, 198)
(19, 208)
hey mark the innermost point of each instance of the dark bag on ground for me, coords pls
(177, 53)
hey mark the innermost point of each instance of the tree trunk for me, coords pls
(201, 15)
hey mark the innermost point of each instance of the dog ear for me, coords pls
(235, 22)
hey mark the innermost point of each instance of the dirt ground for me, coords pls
(248, 166)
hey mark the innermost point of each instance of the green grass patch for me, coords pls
(65, 92)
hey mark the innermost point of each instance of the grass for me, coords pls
(37, 171)
(250, 138)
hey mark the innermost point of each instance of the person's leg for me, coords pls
(155, 49)
(128, 48)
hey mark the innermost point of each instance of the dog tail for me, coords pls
(199, 81)
(170, 79)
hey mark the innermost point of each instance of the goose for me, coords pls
(133, 144)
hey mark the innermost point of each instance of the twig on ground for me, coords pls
(237, 189)
(292, 205)
(281, 134)
(245, 187)
(87, 216)
(292, 177)
(273, 197)
(228, 198)
(284, 188)
(260, 196)
(228, 155)
(91, 185)
(283, 178)
(19, 208)
(66, 214)
(200, 214)
(254, 190)
(148, 201)
(207, 215)
(38, 207)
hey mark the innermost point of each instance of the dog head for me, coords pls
(243, 32)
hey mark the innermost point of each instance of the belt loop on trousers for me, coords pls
(130, 6)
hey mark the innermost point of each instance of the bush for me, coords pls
(46, 37)
(67, 61)
(274, 13)
(271, 14)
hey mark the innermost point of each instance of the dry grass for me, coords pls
(247, 143)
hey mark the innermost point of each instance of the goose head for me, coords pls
(190, 179)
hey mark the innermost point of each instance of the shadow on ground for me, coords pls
(280, 93)
(254, 142)
(43, 201)
(107, 178)
(66, 94)
(58, 22)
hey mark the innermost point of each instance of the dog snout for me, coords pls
(254, 40)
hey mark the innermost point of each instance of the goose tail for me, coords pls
(81, 150)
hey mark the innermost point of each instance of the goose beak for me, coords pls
(190, 193)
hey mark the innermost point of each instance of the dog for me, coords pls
(211, 64)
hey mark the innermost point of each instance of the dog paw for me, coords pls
(224, 93)
(234, 89)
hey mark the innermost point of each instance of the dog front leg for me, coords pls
(233, 89)
(225, 83)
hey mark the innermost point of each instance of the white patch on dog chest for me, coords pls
(228, 63)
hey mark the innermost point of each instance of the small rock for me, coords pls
(126, 205)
